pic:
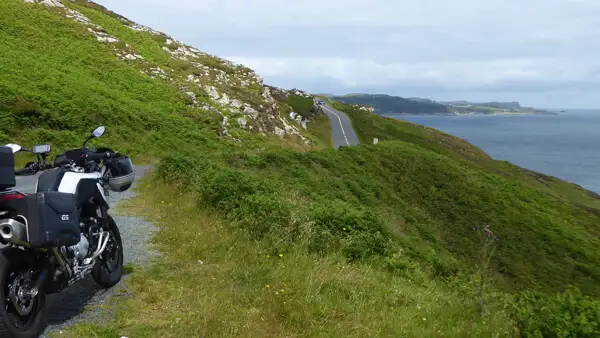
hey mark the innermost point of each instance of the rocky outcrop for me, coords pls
(206, 82)
(157, 72)
(301, 93)
(299, 119)
(369, 109)
(50, 3)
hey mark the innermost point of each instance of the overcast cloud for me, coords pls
(543, 53)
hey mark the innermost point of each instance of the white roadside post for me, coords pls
(375, 140)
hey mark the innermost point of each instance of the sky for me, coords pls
(542, 53)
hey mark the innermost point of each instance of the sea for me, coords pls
(566, 146)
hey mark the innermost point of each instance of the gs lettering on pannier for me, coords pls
(52, 218)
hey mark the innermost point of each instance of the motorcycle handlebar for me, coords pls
(101, 156)
(24, 171)
(85, 158)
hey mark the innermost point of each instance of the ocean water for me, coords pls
(566, 146)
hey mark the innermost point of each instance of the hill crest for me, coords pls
(211, 84)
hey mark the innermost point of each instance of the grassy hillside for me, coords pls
(505, 196)
(300, 106)
(385, 239)
(215, 279)
(277, 234)
(369, 126)
(397, 196)
(59, 81)
(386, 104)
(321, 128)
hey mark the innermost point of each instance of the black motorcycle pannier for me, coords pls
(7, 168)
(53, 219)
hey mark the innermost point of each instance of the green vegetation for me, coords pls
(568, 314)
(57, 83)
(379, 200)
(495, 109)
(358, 230)
(369, 126)
(215, 281)
(497, 105)
(302, 105)
(274, 237)
(320, 126)
(386, 104)
(487, 107)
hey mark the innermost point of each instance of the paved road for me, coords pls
(341, 127)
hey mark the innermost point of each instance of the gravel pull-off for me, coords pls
(66, 308)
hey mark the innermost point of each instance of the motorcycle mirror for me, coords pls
(98, 131)
(15, 147)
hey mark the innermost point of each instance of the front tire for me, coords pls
(108, 269)
(14, 268)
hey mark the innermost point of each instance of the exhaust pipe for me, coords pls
(102, 241)
(13, 232)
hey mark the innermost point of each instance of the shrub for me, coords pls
(265, 213)
(181, 65)
(228, 188)
(357, 232)
(567, 314)
(160, 38)
(301, 105)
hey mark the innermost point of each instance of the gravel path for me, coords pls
(66, 308)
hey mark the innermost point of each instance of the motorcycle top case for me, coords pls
(52, 219)
(7, 168)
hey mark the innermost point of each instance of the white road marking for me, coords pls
(340, 120)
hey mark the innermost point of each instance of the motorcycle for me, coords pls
(59, 234)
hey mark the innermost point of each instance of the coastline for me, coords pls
(507, 113)
(499, 113)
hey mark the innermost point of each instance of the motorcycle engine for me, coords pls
(79, 250)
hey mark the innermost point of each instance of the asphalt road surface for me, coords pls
(341, 127)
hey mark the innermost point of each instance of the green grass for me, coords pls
(57, 84)
(373, 238)
(320, 126)
(369, 126)
(301, 105)
(212, 281)
(394, 196)
(479, 108)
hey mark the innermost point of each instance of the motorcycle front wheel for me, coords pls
(20, 315)
(109, 265)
